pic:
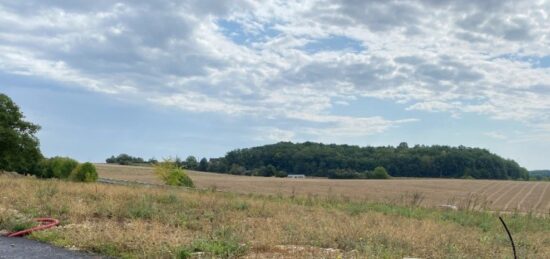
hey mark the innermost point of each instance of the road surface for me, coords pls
(22, 248)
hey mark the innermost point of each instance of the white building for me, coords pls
(296, 176)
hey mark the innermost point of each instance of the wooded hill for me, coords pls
(540, 175)
(316, 159)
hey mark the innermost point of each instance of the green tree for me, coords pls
(378, 173)
(191, 163)
(281, 174)
(19, 147)
(203, 165)
(237, 169)
(85, 172)
(57, 167)
(268, 171)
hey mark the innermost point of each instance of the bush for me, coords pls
(281, 174)
(84, 173)
(57, 167)
(172, 174)
(268, 171)
(237, 169)
(344, 174)
(378, 173)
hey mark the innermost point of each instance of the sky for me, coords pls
(176, 78)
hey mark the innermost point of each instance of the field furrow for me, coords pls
(539, 204)
(485, 189)
(497, 194)
(527, 195)
(516, 195)
(505, 196)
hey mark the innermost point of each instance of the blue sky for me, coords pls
(177, 78)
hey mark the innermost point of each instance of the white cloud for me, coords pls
(271, 134)
(495, 135)
(438, 56)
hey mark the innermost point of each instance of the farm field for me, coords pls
(494, 195)
(156, 222)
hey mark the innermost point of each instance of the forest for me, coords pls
(337, 161)
(540, 175)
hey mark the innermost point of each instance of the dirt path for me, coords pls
(22, 248)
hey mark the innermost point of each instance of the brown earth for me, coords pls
(496, 195)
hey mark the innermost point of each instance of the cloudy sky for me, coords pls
(165, 78)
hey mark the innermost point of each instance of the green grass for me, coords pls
(224, 243)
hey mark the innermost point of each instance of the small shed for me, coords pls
(296, 176)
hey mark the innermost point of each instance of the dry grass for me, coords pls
(495, 195)
(166, 222)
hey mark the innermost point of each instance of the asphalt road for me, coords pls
(22, 248)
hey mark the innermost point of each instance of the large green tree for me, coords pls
(19, 147)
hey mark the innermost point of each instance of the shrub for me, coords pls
(57, 167)
(268, 171)
(172, 174)
(237, 169)
(281, 174)
(378, 173)
(84, 173)
(344, 174)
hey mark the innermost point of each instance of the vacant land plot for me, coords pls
(141, 222)
(494, 195)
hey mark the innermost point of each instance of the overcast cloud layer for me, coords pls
(295, 62)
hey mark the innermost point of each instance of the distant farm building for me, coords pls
(296, 176)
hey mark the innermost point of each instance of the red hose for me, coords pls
(45, 223)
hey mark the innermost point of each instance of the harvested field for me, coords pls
(495, 195)
(155, 222)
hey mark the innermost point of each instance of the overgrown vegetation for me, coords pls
(19, 147)
(540, 175)
(378, 173)
(20, 152)
(56, 167)
(149, 222)
(84, 173)
(339, 161)
(172, 174)
(125, 159)
(66, 168)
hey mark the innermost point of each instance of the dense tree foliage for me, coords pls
(57, 167)
(378, 173)
(540, 175)
(191, 163)
(346, 161)
(85, 172)
(125, 159)
(19, 147)
(66, 168)
(203, 165)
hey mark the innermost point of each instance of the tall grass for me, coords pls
(141, 222)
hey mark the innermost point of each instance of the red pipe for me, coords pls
(45, 223)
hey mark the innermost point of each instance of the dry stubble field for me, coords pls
(494, 195)
(157, 222)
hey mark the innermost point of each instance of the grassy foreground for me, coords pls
(146, 222)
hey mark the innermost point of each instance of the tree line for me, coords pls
(20, 149)
(540, 175)
(348, 161)
(125, 159)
